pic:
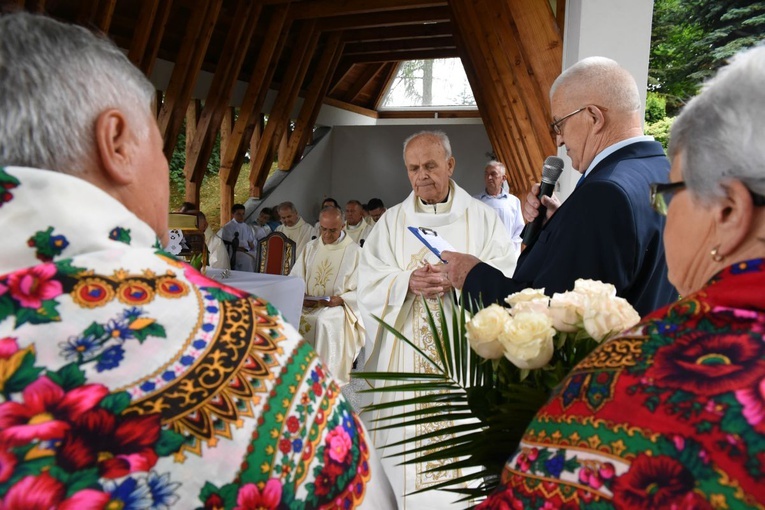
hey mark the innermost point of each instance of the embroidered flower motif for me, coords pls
(80, 348)
(117, 445)
(120, 234)
(753, 400)
(130, 494)
(163, 491)
(251, 498)
(700, 362)
(656, 482)
(110, 358)
(30, 287)
(7, 183)
(8, 463)
(293, 424)
(503, 499)
(11, 358)
(47, 245)
(338, 444)
(44, 491)
(47, 411)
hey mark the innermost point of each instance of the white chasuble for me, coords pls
(359, 232)
(388, 258)
(301, 232)
(217, 253)
(337, 333)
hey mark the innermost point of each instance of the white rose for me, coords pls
(566, 311)
(534, 305)
(525, 295)
(594, 288)
(528, 340)
(606, 316)
(483, 331)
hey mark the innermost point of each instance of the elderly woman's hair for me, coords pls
(438, 135)
(718, 135)
(596, 80)
(55, 79)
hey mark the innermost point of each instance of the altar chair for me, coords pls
(276, 254)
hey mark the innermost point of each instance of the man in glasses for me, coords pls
(606, 230)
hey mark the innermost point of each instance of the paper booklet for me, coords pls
(317, 298)
(432, 240)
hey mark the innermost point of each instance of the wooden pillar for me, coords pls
(192, 117)
(226, 190)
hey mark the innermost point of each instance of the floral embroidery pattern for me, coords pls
(47, 245)
(102, 343)
(63, 435)
(29, 295)
(120, 234)
(7, 183)
(693, 377)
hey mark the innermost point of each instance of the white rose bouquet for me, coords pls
(496, 369)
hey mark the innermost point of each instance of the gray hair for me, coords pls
(287, 205)
(718, 135)
(438, 135)
(600, 81)
(497, 164)
(331, 209)
(55, 80)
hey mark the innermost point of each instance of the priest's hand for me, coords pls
(429, 281)
(531, 206)
(457, 266)
(333, 301)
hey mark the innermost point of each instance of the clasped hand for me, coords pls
(429, 281)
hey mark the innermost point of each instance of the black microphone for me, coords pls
(551, 171)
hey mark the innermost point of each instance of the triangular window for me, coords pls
(439, 83)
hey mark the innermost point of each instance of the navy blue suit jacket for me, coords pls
(606, 230)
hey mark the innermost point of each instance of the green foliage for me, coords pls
(655, 107)
(691, 39)
(178, 161)
(660, 130)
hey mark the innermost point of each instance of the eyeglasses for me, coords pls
(661, 194)
(555, 126)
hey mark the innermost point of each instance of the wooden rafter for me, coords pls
(369, 72)
(394, 33)
(312, 101)
(414, 16)
(278, 119)
(402, 55)
(143, 31)
(328, 8)
(240, 33)
(430, 43)
(186, 70)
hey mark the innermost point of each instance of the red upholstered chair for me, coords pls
(276, 254)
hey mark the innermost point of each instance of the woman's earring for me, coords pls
(716, 256)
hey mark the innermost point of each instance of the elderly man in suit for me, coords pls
(606, 230)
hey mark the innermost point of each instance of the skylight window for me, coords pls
(439, 83)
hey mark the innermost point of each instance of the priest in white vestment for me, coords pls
(294, 227)
(396, 269)
(246, 257)
(217, 255)
(329, 267)
(355, 226)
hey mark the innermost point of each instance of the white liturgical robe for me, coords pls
(388, 258)
(301, 232)
(245, 261)
(359, 232)
(337, 333)
(217, 255)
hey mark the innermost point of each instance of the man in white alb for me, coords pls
(329, 267)
(294, 227)
(507, 205)
(355, 226)
(248, 240)
(217, 256)
(397, 270)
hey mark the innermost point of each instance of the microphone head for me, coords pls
(552, 169)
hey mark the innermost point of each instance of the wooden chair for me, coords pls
(276, 254)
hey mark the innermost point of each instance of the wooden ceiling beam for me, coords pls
(369, 72)
(186, 70)
(161, 18)
(97, 13)
(390, 75)
(142, 31)
(278, 118)
(329, 8)
(250, 115)
(351, 107)
(240, 34)
(393, 33)
(432, 43)
(386, 19)
(394, 56)
(309, 111)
